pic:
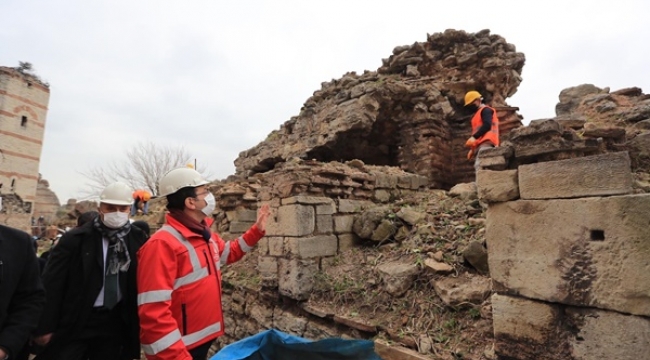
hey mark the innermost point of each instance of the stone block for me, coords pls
(268, 268)
(246, 215)
(347, 241)
(382, 195)
(324, 224)
(575, 124)
(307, 200)
(343, 224)
(316, 246)
(353, 206)
(263, 246)
(276, 245)
(585, 252)
(326, 209)
(492, 163)
(296, 277)
(292, 220)
(497, 186)
(526, 329)
(385, 180)
(238, 227)
(598, 175)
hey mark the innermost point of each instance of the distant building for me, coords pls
(23, 108)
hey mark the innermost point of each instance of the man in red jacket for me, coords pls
(179, 276)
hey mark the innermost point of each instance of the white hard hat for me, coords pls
(117, 194)
(178, 179)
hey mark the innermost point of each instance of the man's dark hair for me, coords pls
(177, 199)
(86, 217)
(142, 225)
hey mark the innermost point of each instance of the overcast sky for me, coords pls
(218, 76)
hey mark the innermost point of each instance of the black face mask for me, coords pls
(472, 107)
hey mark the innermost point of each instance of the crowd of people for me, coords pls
(109, 290)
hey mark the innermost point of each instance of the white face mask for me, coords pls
(211, 204)
(115, 220)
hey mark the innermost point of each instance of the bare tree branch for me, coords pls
(145, 164)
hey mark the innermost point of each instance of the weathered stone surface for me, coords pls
(308, 200)
(326, 209)
(571, 123)
(395, 352)
(261, 314)
(497, 186)
(571, 97)
(358, 324)
(343, 224)
(589, 251)
(537, 128)
(526, 329)
(268, 268)
(353, 206)
(366, 223)
(598, 175)
(324, 224)
(438, 267)
(384, 230)
(365, 117)
(296, 277)
(410, 216)
(292, 220)
(347, 241)
(288, 322)
(239, 227)
(276, 245)
(476, 254)
(466, 191)
(316, 246)
(492, 163)
(397, 277)
(463, 290)
(246, 215)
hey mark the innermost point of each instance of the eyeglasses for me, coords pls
(203, 193)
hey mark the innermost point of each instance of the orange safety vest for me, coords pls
(492, 135)
(179, 288)
(141, 195)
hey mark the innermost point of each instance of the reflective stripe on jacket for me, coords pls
(179, 288)
(491, 136)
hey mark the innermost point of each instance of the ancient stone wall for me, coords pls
(313, 206)
(568, 248)
(408, 114)
(47, 203)
(23, 109)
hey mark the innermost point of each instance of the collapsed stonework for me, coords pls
(363, 243)
(408, 114)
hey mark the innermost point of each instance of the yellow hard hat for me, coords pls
(471, 96)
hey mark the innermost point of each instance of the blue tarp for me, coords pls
(276, 345)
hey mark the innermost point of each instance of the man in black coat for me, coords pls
(21, 292)
(91, 310)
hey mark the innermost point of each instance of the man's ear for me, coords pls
(189, 203)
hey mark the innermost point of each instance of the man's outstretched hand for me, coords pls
(262, 217)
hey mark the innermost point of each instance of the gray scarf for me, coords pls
(120, 258)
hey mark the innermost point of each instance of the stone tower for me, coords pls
(23, 108)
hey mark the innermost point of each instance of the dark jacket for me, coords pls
(21, 292)
(73, 278)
